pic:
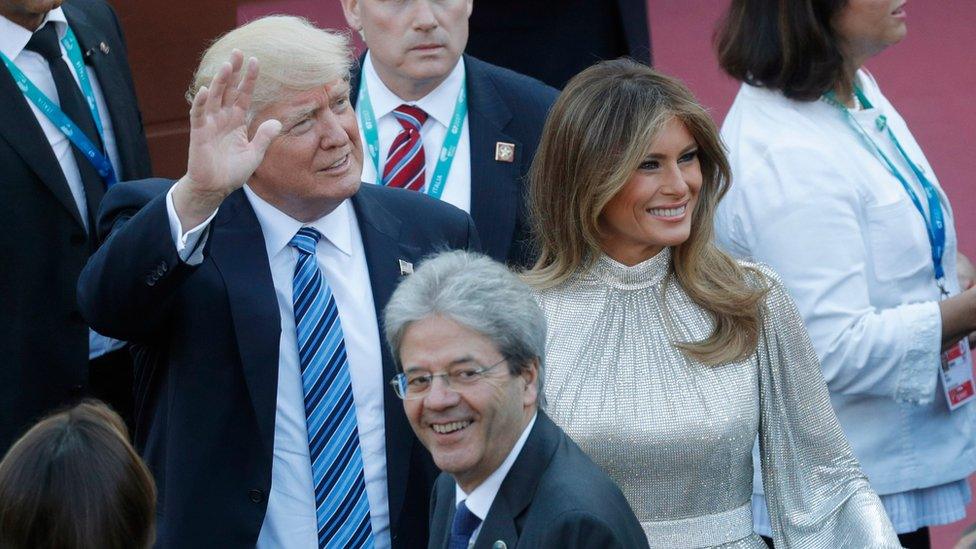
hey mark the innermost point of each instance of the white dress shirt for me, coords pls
(480, 499)
(290, 520)
(811, 199)
(439, 105)
(13, 38)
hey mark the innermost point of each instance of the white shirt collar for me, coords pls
(480, 499)
(279, 228)
(438, 104)
(13, 37)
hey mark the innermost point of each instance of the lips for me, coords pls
(340, 163)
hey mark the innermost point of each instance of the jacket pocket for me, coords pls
(898, 241)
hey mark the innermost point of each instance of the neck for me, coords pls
(408, 89)
(844, 88)
(30, 21)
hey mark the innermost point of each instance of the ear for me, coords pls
(530, 377)
(350, 8)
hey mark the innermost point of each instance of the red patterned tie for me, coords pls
(405, 162)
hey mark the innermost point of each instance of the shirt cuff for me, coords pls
(923, 346)
(189, 244)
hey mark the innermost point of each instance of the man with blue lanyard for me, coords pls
(448, 125)
(69, 128)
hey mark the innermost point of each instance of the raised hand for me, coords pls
(221, 156)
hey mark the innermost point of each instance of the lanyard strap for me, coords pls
(92, 152)
(935, 222)
(367, 120)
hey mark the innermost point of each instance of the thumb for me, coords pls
(265, 133)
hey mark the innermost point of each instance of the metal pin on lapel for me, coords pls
(104, 47)
(405, 267)
(499, 545)
(504, 152)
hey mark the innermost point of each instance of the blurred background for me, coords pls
(929, 77)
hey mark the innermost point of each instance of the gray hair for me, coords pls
(295, 56)
(479, 294)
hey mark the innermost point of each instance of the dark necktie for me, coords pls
(465, 523)
(406, 161)
(72, 103)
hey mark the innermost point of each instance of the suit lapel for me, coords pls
(519, 487)
(380, 232)
(237, 249)
(20, 128)
(115, 91)
(495, 196)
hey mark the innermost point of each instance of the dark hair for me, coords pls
(74, 481)
(787, 45)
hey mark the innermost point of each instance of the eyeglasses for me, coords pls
(414, 385)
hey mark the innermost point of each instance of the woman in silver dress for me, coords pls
(667, 357)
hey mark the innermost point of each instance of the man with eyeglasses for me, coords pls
(470, 340)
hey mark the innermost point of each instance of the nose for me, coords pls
(333, 133)
(423, 17)
(440, 397)
(675, 183)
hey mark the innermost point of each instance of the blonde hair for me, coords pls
(596, 136)
(295, 55)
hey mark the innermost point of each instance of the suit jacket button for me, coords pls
(255, 495)
(151, 280)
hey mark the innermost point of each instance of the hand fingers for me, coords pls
(266, 132)
(230, 94)
(197, 107)
(246, 87)
(217, 86)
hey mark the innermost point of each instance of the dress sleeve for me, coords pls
(815, 491)
(799, 213)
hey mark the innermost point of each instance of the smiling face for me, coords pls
(654, 208)
(414, 44)
(316, 161)
(866, 27)
(470, 433)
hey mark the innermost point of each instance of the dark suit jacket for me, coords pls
(206, 340)
(503, 106)
(44, 340)
(554, 496)
(554, 40)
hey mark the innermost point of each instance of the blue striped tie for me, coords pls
(341, 506)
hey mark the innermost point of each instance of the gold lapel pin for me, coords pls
(504, 152)
(405, 268)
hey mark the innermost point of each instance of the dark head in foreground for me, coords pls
(74, 481)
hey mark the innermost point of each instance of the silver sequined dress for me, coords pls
(677, 435)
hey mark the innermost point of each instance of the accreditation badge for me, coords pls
(957, 375)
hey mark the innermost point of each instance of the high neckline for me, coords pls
(645, 274)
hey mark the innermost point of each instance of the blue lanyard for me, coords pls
(935, 223)
(367, 120)
(98, 159)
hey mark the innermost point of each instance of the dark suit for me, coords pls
(553, 496)
(554, 40)
(207, 353)
(503, 106)
(44, 340)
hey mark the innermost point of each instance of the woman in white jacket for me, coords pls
(832, 191)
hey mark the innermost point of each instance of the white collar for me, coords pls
(438, 104)
(279, 228)
(480, 499)
(13, 37)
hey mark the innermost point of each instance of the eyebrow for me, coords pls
(684, 151)
(299, 115)
(455, 362)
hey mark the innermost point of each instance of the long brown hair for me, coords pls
(596, 136)
(74, 482)
(786, 45)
